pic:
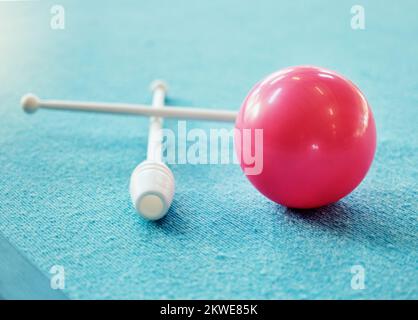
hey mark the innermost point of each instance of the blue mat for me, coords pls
(64, 176)
(21, 280)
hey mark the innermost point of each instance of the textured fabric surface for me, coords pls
(64, 176)
(20, 280)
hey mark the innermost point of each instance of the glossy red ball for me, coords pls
(318, 136)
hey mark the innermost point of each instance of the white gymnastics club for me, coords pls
(152, 182)
(32, 103)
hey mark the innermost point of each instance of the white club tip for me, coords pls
(158, 84)
(30, 103)
(151, 206)
(152, 189)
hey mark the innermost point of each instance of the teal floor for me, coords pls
(64, 196)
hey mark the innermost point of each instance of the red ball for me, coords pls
(318, 137)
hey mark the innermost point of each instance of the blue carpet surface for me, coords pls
(64, 176)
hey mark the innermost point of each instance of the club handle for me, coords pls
(32, 103)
